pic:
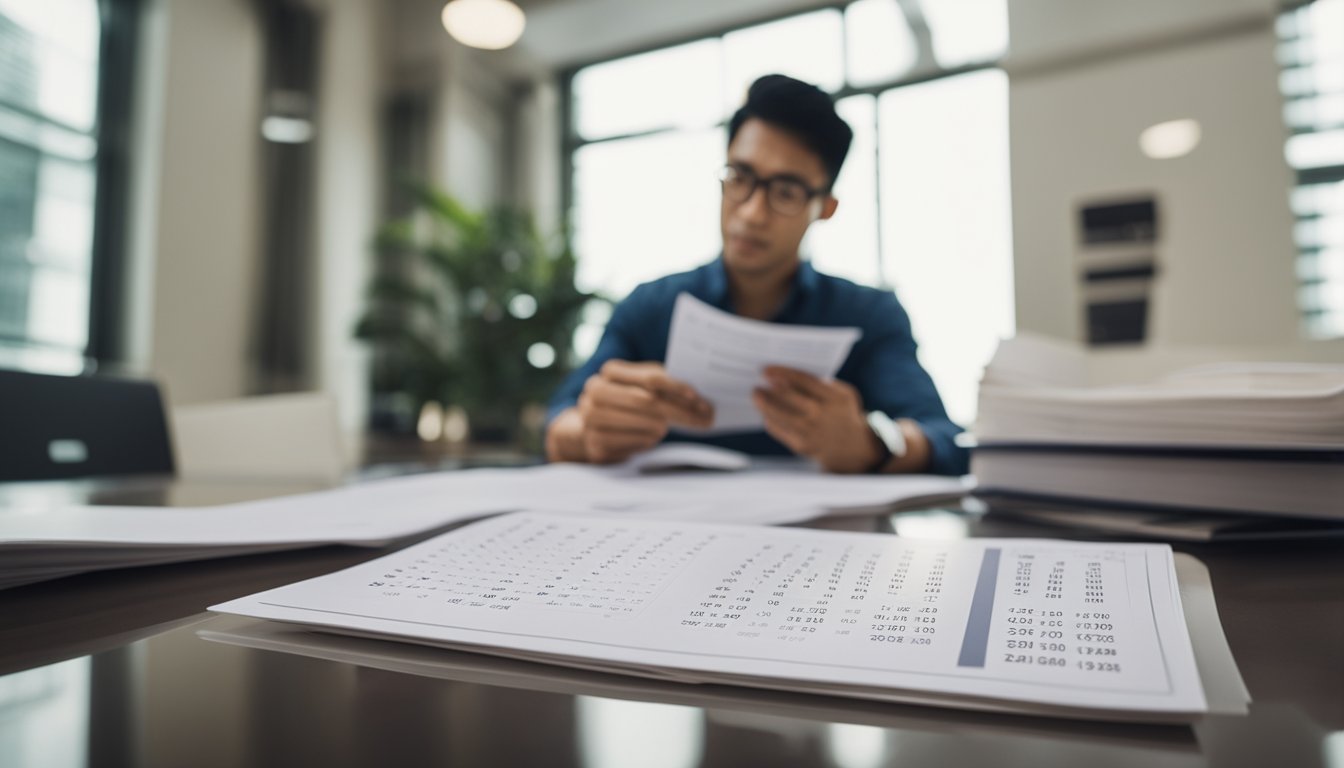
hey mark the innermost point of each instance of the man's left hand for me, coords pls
(822, 420)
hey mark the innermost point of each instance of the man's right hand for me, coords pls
(624, 408)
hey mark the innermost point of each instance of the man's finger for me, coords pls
(685, 415)
(653, 378)
(787, 401)
(798, 381)
(789, 418)
(616, 420)
(628, 441)
(608, 447)
(605, 394)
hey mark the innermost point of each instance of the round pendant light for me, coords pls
(488, 24)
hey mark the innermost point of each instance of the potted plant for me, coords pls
(473, 311)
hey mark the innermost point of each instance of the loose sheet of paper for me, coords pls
(722, 356)
(1055, 623)
(380, 511)
(688, 456)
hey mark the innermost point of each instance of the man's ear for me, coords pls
(828, 206)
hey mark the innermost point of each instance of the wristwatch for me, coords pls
(890, 438)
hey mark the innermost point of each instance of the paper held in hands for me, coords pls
(723, 355)
(1051, 627)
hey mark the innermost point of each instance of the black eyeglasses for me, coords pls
(786, 195)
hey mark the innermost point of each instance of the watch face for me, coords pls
(888, 431)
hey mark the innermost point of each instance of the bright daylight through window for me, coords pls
(1311, 51)
(48, 122)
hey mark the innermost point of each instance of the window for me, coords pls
(1311, 51)
(924, 193)
(49, 84)
(946, 223)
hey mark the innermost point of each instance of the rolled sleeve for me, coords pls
(619, 342)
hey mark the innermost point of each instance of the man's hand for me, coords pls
(826, 422)
(822, 420)
(624, 408)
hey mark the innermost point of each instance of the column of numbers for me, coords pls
(613, 572)
(1055, 614)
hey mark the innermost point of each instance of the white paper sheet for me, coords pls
(43, 543)
(683, 456)
(1075, 624)
(384, 510)
(722, 356)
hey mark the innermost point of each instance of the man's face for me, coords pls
(758, 240)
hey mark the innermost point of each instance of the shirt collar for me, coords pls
(805, 282)
(716, 285)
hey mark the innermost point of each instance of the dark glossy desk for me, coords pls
(108, 669)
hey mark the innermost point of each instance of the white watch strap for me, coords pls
(889, 432)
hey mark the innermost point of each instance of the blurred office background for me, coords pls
(190, 189)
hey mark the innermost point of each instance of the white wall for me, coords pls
(1050, 33)
(561, 34)
(196, 188)
(200, 234)
(470, 134)
(147, 118)
(472, 101)
(1225, 229)
(538, 155)
(1086, 79)
(347, 191)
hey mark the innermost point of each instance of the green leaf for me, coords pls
(430, 338)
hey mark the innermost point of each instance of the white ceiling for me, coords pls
(562, 33)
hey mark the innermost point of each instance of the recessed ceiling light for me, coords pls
(1175, 138)
(286, 130)
(488, 24)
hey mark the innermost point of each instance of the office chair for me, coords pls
(60, 427)
(294, 437)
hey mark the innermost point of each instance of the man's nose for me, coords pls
(756, 207)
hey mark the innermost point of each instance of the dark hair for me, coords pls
(803, 110)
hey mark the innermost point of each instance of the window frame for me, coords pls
(924, 70)
(107, 275)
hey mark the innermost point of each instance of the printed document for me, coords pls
(1094, 628)
(723, 355)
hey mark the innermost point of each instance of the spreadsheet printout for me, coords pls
(1080, 624)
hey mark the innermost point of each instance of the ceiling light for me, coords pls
(488, 24)
(286, 130)
(1175, 138)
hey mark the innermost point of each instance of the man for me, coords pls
(785, 149)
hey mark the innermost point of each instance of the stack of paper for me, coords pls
(1160, 524)
(1254, 437)
(41, 543)
(1066, 628)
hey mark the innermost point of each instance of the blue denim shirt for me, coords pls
(881, 366)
